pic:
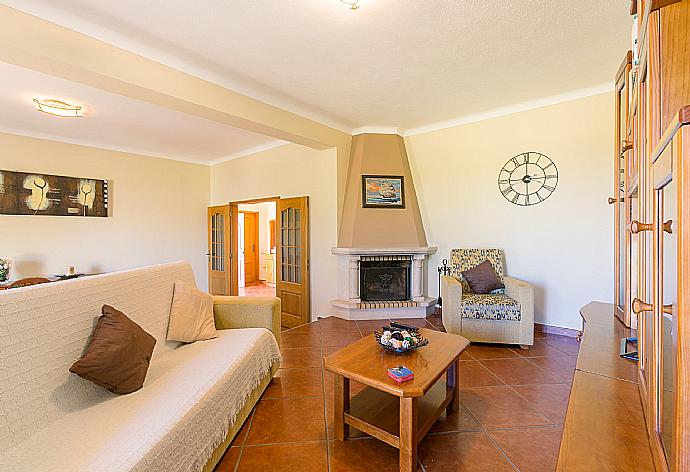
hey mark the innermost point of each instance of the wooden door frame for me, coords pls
(256, 236)
(234, 243)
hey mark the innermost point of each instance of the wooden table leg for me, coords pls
(452, 380)
(408, 434)
(341, 405)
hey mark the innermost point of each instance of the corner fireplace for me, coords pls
(385, 278)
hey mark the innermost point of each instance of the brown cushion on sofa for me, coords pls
(118, 355)
(483, 278)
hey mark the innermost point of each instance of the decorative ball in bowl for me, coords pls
(399, 340)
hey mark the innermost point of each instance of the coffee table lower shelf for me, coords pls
(377, 413)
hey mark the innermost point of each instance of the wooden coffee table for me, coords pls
(397, 414)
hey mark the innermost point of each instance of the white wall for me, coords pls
(158, 212)
(564, 246)
(291, 171)
(267, 212)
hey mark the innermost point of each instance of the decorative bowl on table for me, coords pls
(399, 338)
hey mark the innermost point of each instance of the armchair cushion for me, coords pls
(489, 307)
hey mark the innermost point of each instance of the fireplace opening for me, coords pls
(385, 279)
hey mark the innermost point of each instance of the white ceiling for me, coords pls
(116, 122)
(392, 63)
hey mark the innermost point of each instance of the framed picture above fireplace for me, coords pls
(383, 191)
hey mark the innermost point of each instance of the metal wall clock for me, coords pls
(528, 178)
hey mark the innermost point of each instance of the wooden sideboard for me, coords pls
(604, 427)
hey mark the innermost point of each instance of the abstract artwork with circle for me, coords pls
(528, 178)
(43, 194)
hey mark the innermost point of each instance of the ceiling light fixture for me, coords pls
(58, 108)
(354, 4)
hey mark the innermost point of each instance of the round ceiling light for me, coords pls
(354, 4)
(58, 108)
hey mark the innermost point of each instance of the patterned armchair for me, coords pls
(502, 316)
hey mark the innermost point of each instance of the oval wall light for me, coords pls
(58, 108)
(354, 4)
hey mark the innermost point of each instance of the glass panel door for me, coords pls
(667, 199)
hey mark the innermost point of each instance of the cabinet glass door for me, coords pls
(667, 199)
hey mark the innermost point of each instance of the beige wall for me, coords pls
(158, 212)
(291, 171)
(379, 154)
(564, 245)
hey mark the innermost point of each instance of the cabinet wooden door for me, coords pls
(219, 250)
(671, 331)
(251, 247)
(621, 213)
(292, 250)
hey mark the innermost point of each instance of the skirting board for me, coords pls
(542, 328)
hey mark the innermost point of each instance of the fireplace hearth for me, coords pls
(385, 279)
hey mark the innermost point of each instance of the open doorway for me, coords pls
(283, 271)
(256, 249)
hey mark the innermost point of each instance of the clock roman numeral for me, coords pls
(549, 188)
(552, 176)
(504, 181)
(506, 191)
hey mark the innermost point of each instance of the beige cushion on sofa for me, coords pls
(191, 315)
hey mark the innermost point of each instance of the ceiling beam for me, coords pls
(31, 42)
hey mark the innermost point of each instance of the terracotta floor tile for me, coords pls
(466, 452)
(229, 460)
(241, 437)
(562, 367)
(474, 374)
(435, 320)
(564, 343)
(295, 357)
(288, 419)
(310, 339)
(333, 323)
(419, 322)
(340, 338)
(500, 407)
(530, 449)
(551, 400)
(539, 349)
(285, 458)
(354, 433)
(466, 356)
(491, 351)
(305, 328)
(296, 383)
(460, 420)
(518, 372)
(362, 455)
(371, 325)
(328, 350)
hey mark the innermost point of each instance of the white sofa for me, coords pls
(194, 400)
